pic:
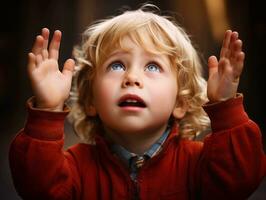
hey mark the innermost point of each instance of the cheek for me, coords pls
(101, 94)
(104, 94)
(164, 94)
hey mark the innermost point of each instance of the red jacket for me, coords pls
(229, 164)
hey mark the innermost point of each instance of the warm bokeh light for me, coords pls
(217, 13)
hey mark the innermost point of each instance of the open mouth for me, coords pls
(131, 101)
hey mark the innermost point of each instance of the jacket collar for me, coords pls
(105, 145)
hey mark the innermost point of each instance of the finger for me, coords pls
(39, 59)
(224, 67)
(45, 54)
(234, 38)
(54, 45)
(68, 68)
(213, 65)
(226, 43)
(31, 62)
(238, 45)
(212, 62)
(240, 63)
(45, 35)
(237, 48)
(38, 45)
(241, 57)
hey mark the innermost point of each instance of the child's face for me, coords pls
(135, 91)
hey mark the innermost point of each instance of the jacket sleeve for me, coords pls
(233, 162)
(40, 168)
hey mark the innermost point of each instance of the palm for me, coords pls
(49, 82)
(224, 75)
(50, 86)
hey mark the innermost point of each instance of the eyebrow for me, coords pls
(154, 57)
(127, 51)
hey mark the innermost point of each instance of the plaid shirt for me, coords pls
(129, 157)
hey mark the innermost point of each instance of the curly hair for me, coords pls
(156, 34)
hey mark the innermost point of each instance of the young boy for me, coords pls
(138, 95)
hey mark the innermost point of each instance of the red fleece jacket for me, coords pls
(229, 164)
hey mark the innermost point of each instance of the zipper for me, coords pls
(136, 189)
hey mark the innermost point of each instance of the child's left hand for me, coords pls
(224, 75)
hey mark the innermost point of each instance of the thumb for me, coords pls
(213, 65)
(68, 68)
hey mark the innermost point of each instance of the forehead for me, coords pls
(128, 45)
(128, 49)
(151, 38)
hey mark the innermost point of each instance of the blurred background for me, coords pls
(205, 20)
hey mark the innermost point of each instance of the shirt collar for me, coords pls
(126, 155)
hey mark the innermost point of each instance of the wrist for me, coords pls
(40, 106)
(55, 109)
(31, 104)
(217, 100)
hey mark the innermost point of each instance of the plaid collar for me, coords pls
(126, 156)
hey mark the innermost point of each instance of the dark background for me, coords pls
(21, 21)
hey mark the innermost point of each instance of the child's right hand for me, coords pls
(50, 86)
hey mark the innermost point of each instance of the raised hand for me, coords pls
(50, 86)
(224, 75)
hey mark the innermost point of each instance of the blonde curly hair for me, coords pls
(147, 29)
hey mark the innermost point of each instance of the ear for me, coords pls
(91, 111)
(180, 111)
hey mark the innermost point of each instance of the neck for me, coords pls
(136, 142)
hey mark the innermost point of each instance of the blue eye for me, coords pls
(152, 67)
(117, 66)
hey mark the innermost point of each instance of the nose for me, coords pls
(132, 79)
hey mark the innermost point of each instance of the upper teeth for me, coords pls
(131, 101)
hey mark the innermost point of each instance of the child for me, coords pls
(138, 97)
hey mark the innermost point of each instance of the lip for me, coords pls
(132, 97)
